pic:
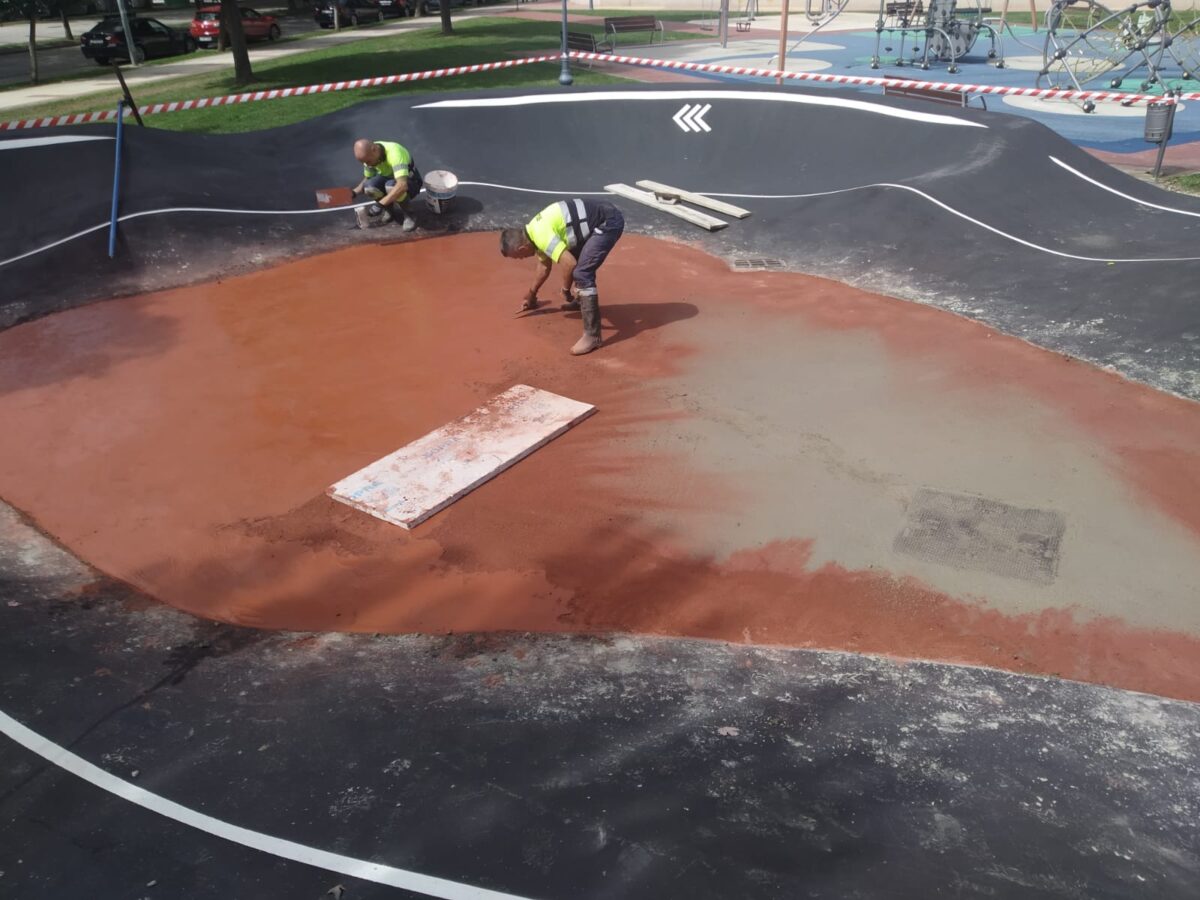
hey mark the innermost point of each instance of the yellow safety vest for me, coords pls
(558, 227)
(396, 162)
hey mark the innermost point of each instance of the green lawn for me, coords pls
(1189, 183)
(478, 40)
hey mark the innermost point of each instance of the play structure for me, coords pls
(944, 31)
(1089, 45)
(820, 13)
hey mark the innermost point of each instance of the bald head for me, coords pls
(366, 151)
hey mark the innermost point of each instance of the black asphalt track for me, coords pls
(990, 172)
(559, 767)
(569, 768)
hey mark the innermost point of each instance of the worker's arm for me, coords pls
(567, 262)
(543, 272)
(396, 194)
(544, 265)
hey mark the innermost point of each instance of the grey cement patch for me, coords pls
(968, 532)
(824, 438)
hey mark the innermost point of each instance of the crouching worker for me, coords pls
(390, 178)
(578, 235)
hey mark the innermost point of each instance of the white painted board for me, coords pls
(424, 477)
(647, 198)
(665, 190)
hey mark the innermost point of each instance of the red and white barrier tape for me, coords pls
(860, 80)
(875, 81)
(276, 93)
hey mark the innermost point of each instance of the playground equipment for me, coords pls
(819, 14)
(1087, 43)
(947, 30)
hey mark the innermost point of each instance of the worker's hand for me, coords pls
(531, 301)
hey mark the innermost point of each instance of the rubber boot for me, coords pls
(589, 308)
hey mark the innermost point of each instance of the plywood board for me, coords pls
(410, 485)
(704, 220)
(665, 190)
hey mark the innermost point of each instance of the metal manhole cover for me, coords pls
(967, 532)
(757, 264)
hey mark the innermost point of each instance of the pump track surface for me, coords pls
(876, 572)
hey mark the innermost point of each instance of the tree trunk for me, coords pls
(231, 19)
(447, 28)
(33, 60)
(66, 23)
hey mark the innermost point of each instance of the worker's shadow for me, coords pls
(622, 321)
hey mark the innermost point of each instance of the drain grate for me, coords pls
(967, 532)
(757, 264)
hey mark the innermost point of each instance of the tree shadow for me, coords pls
(82, 343)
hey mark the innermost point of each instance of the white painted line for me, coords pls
(508, 187)
(526, 190)
(764, 96)
(1078, 174)
(961, 215)
(424, 477)
(176, 209)
(26, 143)
(256, 840)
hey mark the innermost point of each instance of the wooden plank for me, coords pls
(424, 477)
(711, 223)
(695, 199)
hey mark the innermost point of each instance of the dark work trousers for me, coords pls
(597, 247)
(380, 186)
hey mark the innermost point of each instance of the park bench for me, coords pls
(583, 42)
(960, 99)
(630, 24)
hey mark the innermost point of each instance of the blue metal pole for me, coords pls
(112, 225)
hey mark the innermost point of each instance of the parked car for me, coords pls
(434, 7)
(350, 12)
(206, 26)
(397, 9)
(105, 41)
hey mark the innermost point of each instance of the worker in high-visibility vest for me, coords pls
(578, 235)
(390, 178)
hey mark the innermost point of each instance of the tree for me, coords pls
(233, 37)
(444, 6)
(28, 10)
(66, 22)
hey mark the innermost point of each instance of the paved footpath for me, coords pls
(208, 61)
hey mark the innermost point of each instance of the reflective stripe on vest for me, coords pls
(575, 218)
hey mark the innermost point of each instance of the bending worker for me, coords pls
(390, 178)
(577, 234)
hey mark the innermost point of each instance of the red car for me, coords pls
(207, 24)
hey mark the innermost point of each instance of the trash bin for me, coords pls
(1159, 119)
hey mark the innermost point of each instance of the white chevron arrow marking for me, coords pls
(691, 118)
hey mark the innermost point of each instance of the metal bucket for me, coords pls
(440, 189)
